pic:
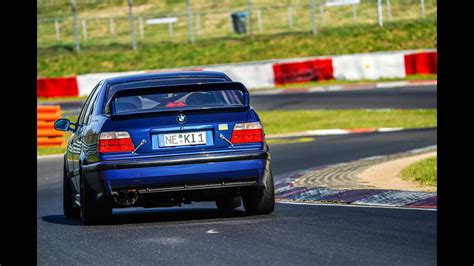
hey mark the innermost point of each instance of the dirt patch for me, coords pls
(387, 175)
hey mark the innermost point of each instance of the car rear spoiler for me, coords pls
(110, 108)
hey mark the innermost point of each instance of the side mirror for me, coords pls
(62, 124)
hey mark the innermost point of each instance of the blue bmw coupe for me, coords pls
(162, 140)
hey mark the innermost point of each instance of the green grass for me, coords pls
(276, 122)
(49, 151)
(423, 172)
(61, 99)
(61, 60)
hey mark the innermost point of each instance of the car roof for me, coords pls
(168, 75)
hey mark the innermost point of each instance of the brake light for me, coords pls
(247, 132)
(115, 142)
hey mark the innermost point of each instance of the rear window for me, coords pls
(166, 100)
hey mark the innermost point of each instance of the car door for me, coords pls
(76, 144)
(88, 137)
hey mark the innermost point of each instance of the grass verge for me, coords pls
(60, 99)
(423, 172)
(277, 122)
(61, 60)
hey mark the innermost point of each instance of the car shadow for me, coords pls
(153, 216)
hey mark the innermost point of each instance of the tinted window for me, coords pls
(88, 104)
(195, 99)
(92, 105)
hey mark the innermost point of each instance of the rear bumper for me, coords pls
(176, 160)
(178, 172)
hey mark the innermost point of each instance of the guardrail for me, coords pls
(47, 136)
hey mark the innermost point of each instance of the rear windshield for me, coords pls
(195, 99)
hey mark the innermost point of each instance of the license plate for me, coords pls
(184, 139)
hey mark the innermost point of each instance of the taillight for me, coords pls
(115, 142)
(247, 132)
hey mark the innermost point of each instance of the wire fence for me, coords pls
(127, 22)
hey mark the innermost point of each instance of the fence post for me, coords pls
(84, 29)
(290, 17)
(422, 7)
(56, 27)
(379, 13)
(389, 11)
(249, 9)
(140, 26)
(74, 20)
(313, 16)
(321, 10)
(259, 19)
(354, 13)
(190, 21)
(170, 30)
(198, 23)
(112, 27)
(132, 26)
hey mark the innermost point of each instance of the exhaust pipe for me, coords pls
(126, 197)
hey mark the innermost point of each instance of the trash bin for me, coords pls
(238, 21)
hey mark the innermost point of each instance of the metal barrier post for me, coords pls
(389, 11)
(354, 13)
(84, 29)
(198, 23)
(112, 27)
(56, 28)
(259, 20)
(249, 8)
(132, 26)
(313, 16)
(74, 20)
(190, 21)
(290, 17)
(422, 7)
(379, 13)
(140, 26)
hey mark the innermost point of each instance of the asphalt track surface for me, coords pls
(293, 234)
(396, 98)
(416, 97)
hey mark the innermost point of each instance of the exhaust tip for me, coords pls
(125, 197)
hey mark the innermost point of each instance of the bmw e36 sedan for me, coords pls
(162, 140)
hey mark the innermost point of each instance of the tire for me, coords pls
(258, 201)
(229, 203)
(93, 211)
(70, 209)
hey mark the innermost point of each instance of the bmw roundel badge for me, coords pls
(181, 119)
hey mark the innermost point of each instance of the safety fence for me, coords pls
(271, 73)
(47, 136)
(82, 24)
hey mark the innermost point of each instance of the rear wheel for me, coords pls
(93, 211)
(70, 209)
(228, 203)
(258, 201)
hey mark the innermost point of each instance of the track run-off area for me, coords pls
(292, 234)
